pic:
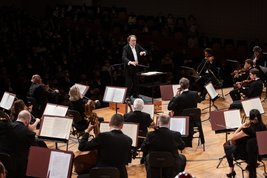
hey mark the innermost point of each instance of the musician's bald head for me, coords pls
(36, 79)
(24, 117)
(164, 120)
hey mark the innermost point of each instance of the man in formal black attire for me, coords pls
(113, 148)
(184, 98)
(131, 56)
(163, 139)
(251, 91)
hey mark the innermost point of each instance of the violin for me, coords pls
(244, 83)
(239, 72)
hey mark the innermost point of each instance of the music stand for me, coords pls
(7, 100)
(225, 122)
(168, 91)
(115, 95)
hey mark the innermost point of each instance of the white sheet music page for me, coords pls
(83, 88)
(148, 108)
(7, 101)
(253, 103)
(118, 96)
(58, 165)
(104, 127)
(55, 110)
(232, 119)
(151, 73)
(178, 125)
(109, 94)
(131, 130)
(211, 90)
(56, 127)
(175, 88)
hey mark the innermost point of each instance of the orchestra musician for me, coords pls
(184, 98)
(39, 94)
(237, 144)
(208, 71)
(257, 56)
(253, 90)
(113, 147)
(131, 56)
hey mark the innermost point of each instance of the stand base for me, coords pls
(220, 161)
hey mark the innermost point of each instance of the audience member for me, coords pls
(237, 145)
(114, 148)
(163, 139)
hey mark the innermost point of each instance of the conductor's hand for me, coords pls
(142, 53)
(134, 63)
(90, 128)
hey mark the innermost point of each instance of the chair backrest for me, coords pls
(261, 142)
(160, 159)
(75, 114)
(4, 115)
(8, 163)
(104, 172)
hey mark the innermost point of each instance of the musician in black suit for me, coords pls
(131, 56)
(208, 71)
(163, 139)
(113, 148)
(184, 98)
(253, 90)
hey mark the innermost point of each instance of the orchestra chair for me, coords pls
(160, 164)
(9, 164)
(195, 124)
(76, 131)
(4, 115)
(262, 151)
(251, 157)
(102, 172)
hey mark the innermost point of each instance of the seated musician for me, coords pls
(163, 139)
(184, 98)
(113, 148)
(208, 71)
(251, 91)
(78, 104)
(143, 119)
(257, 56)
(236, 146)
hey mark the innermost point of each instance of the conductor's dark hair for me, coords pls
(209, 51)
(257, 49)
(116, 120)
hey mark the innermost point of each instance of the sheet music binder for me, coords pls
(129, 128)
(55, 110)
(252, 103)
(262, 142)
(7, 100)
(115, 94)
(38, 162)
(59, 128)
(218, 120)
(176, 121)
(168, 91)
(83, 88)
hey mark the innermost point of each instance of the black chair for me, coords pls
(8, 163)
(195, 124)
(77, 127)
(160, 165)
(102, 172)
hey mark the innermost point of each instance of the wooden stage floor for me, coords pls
(201, 164)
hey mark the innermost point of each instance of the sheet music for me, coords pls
(129, 129)
(175, 88)
(211, 90)
(58, 165)
(151, 73)
(148, 108)
(83, 88)
(113, 94)
(254, 103)
(55, 110)
(232, 119)
(7, 100)
(178, 125)
(56, 127)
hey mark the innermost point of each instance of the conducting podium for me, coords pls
(115, 95)
(55, 128)
(49, 163)
(130, 129)
(168, 91)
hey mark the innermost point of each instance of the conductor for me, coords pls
(130, 56)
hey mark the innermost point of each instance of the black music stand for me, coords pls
(115, 95)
